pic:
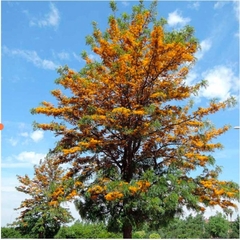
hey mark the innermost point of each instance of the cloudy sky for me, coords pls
(38, 37)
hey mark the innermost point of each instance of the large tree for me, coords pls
(42, 215)
(128, 130)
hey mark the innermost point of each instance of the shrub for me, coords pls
(154, 235)
(81, 230)
(7, 232)
(139, 234)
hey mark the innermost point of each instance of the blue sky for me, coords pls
(38, 37)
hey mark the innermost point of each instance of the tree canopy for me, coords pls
(41, 217)
(218, 226)
(130, 130)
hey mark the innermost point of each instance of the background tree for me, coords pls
(228, 212)
(128, 131)
(173, 229)
(41, 215)
(7, 232)
(190, 227)
(234, 228)
(217, 227)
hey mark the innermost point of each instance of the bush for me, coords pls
(7, 232)
(80, 230)
(154, 235)
(139, 234)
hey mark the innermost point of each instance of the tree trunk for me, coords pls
(127, 230)
(40, 235)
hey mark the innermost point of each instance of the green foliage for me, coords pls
(7, 232)
(191, 227)
(40, 217)
(234, 228)
(124, 122)
(182, 35)
(81, 230)
(139, 234)
(174, 229)
(154, 236)
(113, 6)
(217, 226)
(197, 227)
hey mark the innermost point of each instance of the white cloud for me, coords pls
(51, 19)
(46, 64)
(63, 55)
(212, 211)
(13, 141)
(219, 5)
(222, 83)
(9, 183)
(9, 201)
(22, 125)
(26, 12)
(236, 7)
(15, 165)
(30, 157)
(205, 46)
(24, 134)
(194, 5)
(78, 57)
(24, 159)
(191, 77)
(91, 56)
(94, 57)
(125, 3)
(72, 210)
(37, 135)
(31, 56)
(175, 19)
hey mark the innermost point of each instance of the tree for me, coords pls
(228, 212)
(128, 130)
(218, 226)
(191, 227)
(234, 228)
(42, 214)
